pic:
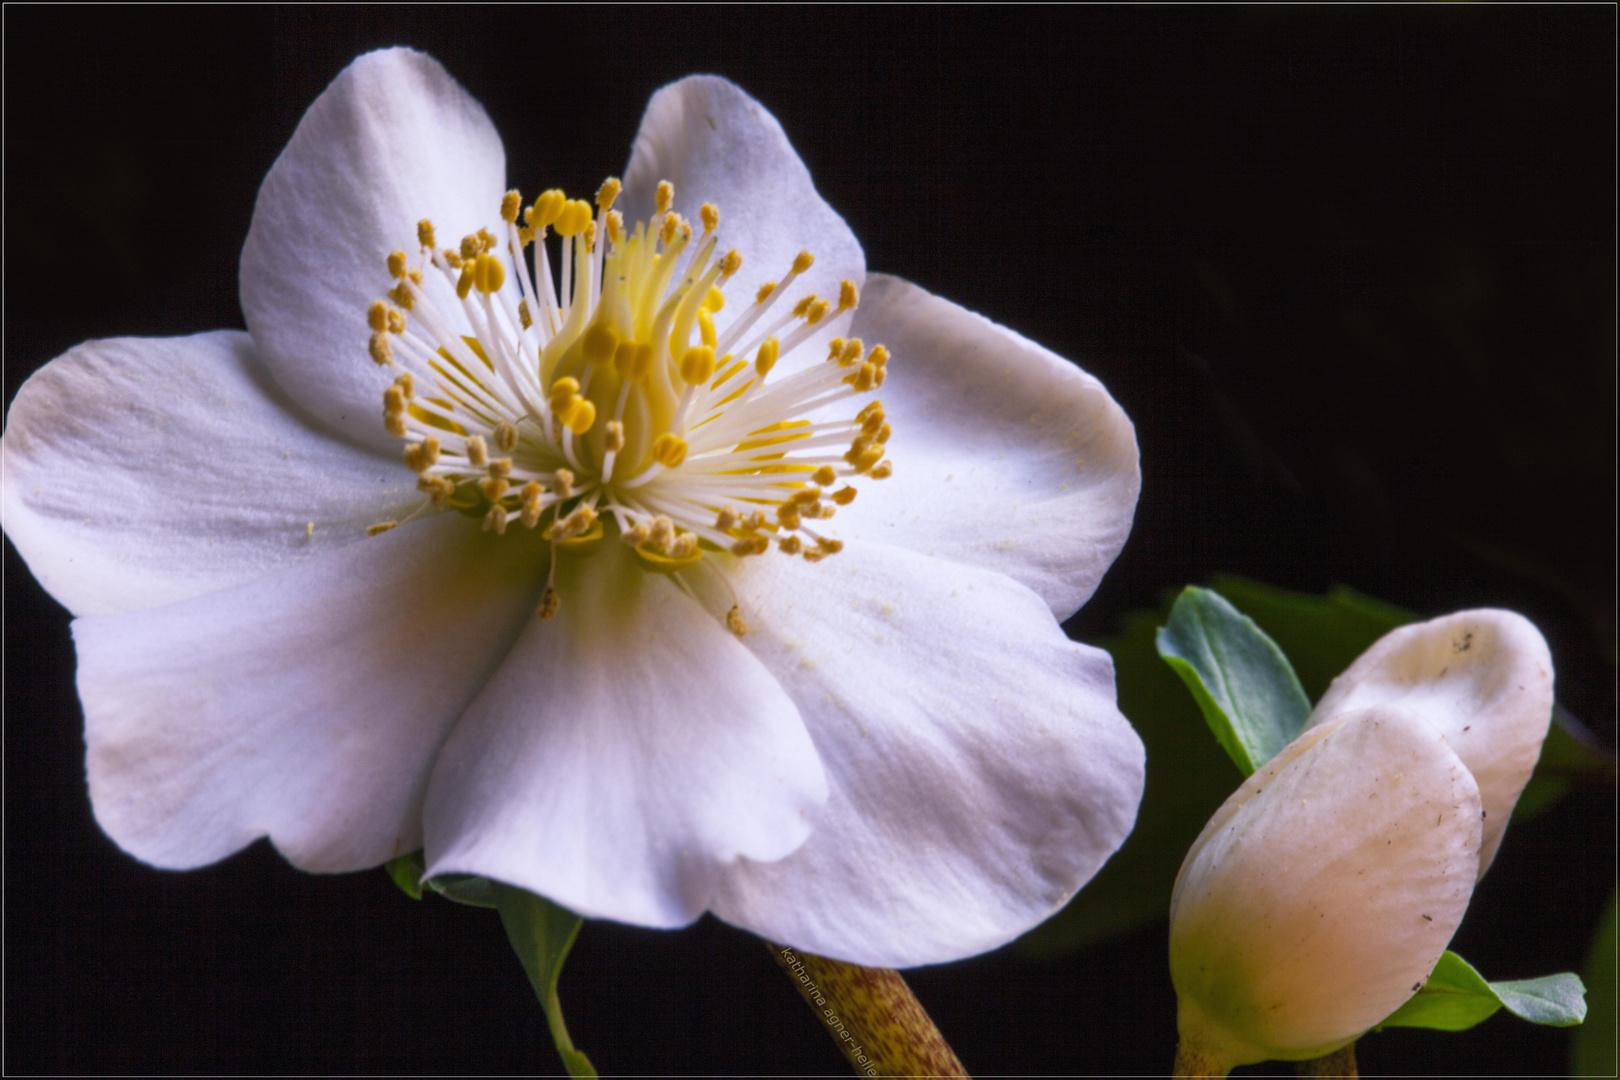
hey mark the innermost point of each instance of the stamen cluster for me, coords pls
(586, 404)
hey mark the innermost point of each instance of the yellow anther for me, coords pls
(549, 604)
(563, 391)
(464, 283)
(851, 351)
(471, 246)
(394, 400)
(790, 545)
(632, 360)
(803, 261)
(697, 364)
(661, 533)
(754, 521)
(506, 436)
(684, 545)
(805, 497)
(863, 379)
(765, 359)
(636, 534)
(525, 235)
(882, 373)
(574, 218)
(734, 621)
(814, 555)
(438, 488)
(401, 295)
(396, 264)
(579, 416)
(600, 343)
(615, 222)
(844, 495)
(576, 524)
(613, 437)
(788, 517)
(545, 209)
(451, 259)
(818, 311)
(710, 215)
(730, 265)
(396, 322)
(835, 348)
(489, 274)
(608, 192)
(873, 423)
(380, 527)
(423, 455)
(865, 458)
(509, 207)
(802, 308)
(377, 315)
(531, 504)
(848, 295)
(669, 450)
(750, 545)
(666, 231)
(714, 300)
(882, 471)
(870, 408)
(523, 313)
(477, 451)
(883, 434)
(562, 484)
(831, 547)
(764, 292)
(486, 241)
(726, 519)
(664, 198)
(424, 234)
(381, 351)
(706, 329)
(590, 237)
(406, 384)
(499, 468)
(879, 356)
(824, 475)
(495, 520)
(494, 487)
(394, 424)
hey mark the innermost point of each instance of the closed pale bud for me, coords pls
(1320, 896)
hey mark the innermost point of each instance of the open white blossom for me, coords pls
(1325, 889)
(617, 630)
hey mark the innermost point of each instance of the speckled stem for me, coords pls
(1192, 1061)
(1342, 1062)
(872, 1015)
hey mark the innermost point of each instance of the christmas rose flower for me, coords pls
(540, 570)
(1323, 892)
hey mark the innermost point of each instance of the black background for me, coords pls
(1350, 270)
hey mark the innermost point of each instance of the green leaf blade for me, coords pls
(1244, 685)
(541, 933)
(1554, 1000)
(406, 872)
(1457, 997)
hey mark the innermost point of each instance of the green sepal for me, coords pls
(464, 889)
(1244, 685)
(1456, 997)
(406, 872)
(541, 934)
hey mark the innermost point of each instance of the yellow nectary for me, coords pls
(585, 406)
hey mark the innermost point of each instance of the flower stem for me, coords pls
(1342, 1062)
(872, 1015)
(1194, 1061)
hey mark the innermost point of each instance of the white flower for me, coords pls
(1322, 893)
(891, 755)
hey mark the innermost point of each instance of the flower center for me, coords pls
(607, 401)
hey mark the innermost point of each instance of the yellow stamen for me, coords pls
(669, 450)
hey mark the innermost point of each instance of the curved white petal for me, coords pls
(1322, 893)
(307, 705)
(136, 472)
(1483, 677)
(1005, 455)
(628, 751)
(718, 145)
(980, 771)
(393, 140)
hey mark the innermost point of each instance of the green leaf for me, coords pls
(541, 934)
(1594, 1052)
(1242, 682)
(465, 889)
(406, 870)
(1457, 997)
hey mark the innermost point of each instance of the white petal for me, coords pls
(1006, 456)
(1483, 677)
(393, 140)
(628, 751)
(137, 472)
(306, 706)
(718, 145)
(980, 771)
(1324, 890)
